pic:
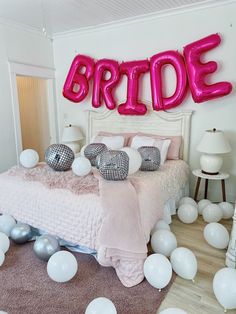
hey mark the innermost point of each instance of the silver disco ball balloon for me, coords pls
(45, 246)
(93, 150)
(21, 233)
(151, 158)
(59, 157)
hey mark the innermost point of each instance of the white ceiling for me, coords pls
(59, 16)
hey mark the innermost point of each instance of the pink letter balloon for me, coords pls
(133, 69)
(197, 70)
(157, 61)
(76, 86)
(102, 88)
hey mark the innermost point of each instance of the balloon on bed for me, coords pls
(114, 165)
(59, 157)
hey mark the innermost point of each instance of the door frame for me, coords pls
(37, 72)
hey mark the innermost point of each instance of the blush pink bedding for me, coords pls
(114, 218)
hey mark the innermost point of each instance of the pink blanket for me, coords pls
(116, 221)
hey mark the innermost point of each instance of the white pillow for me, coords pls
(112, 142)
(163, 145)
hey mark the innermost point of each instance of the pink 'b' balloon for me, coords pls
(101, 86)
(133, 70)
(197, 70)
(76, 86)
(157, 61)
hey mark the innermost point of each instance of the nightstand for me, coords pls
(221, 176)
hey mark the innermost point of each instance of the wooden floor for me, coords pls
(197, 297)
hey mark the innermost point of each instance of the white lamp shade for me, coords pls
(214, 142)
(72, 133)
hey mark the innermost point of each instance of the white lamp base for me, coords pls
(210, 163)
(74, 146)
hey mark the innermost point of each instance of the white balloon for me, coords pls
(82, 150)
(216, 235)
(227, 210)
(2, 257)
(160, 224)
(184, 263)
(163, 242)
(173, 310)
(202, 204)
(187, 200)
(101, 306)
(62, 266)
(212, 213)
(29, 158)
(2, 312)
(224, 287)
(81, 166)
(157, 270)
(187, 213)
(4, 242)
(135, 159)
(7, 223)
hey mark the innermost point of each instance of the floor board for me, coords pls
(197, 297)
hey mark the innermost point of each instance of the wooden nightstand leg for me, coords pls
(197, 188)
(206, 188)
(223, 190)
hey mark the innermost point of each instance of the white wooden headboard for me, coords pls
(154, 122)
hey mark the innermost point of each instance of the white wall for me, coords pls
(20, 46)
(142, 39)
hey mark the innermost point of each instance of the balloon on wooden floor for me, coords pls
(202, 204)
(184, 263)
(101, 305)
(212, 213)
(216, 235)
(224, 287)
(227, 210)
(187, 213)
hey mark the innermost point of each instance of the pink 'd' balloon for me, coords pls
(103, 87)
(197, 70)
(76, 86)
(133, 70)
(157, 61)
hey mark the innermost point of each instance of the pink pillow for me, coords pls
(174, 148)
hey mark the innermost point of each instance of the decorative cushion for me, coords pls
(92, 150)
(114, 165)
(59, 157)
(113, 142)
(150, 158)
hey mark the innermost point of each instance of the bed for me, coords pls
(109, 219)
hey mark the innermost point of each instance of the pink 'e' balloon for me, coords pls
(76, 86)
(133, 70)
(197, 70)
(157, 61)
(103, 87)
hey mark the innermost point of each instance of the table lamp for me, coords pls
(212, 145)
(71, 137)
